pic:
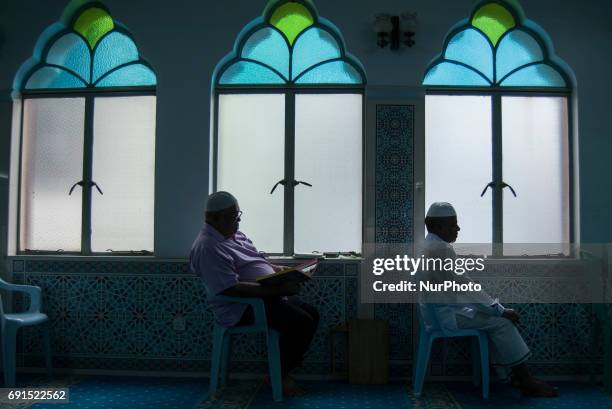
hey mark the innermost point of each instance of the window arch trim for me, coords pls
(64, 27)
(263, 22)
(521, 24)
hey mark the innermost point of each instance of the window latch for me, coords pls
(284, 182)
(280, 182)
(299, 182)
(96, 186)
(80, 183)
(493, 184)
(505, 185)
(490, 185)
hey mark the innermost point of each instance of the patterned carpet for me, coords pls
(96, 392)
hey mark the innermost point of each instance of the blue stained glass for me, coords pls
(113, 50)
(52, 77)
(446, 73)
(72, 52)
(335, 72)
(129, 76)
(312, 47)
(538, 75)
(515, 49)
(269, 47)
(245, 72)
(471, 48)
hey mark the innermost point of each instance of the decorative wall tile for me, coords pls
(121, 315)
(394, 173)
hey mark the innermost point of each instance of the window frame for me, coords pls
(290, 91)
(496, 94)
(89, 94)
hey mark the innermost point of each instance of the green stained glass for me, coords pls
(493, 20)
(92, 24)
(291, 19)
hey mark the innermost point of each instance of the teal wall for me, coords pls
(184, 40)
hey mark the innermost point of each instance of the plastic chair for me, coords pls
(430, 330)
(11, 324)
(222, 346)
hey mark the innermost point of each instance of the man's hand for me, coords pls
(290, 288)
(278, 268)
(511, 315)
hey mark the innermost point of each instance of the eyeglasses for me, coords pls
(238, 215)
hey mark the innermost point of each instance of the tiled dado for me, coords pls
(122, 315)
(128, 315)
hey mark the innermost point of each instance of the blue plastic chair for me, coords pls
(11, 324)
(222, 345)
(430, 330)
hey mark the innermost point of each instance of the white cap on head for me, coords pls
(219, 201)
(441, 209)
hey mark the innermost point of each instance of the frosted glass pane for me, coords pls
(471, 48)
(516, 49)
(52, 161)
(114, 49)
(129, 76)
(72, 52)
(124, 168)
(535, 144)
(458, 161)
(335, 72)
(52, 77)
(313, 46)
(269, 47)
(539, 75)
(244, 72)
(328, 155)
(250, 160)
(446, 73)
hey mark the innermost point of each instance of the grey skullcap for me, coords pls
(219, 201)
(441, 209)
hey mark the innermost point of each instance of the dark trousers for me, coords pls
(296, 323)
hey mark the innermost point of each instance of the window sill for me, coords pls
(297, 260)
(75, 257)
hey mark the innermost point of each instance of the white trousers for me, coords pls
(506, 346)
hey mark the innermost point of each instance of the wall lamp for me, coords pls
(395, 30)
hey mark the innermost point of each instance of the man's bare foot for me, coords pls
(539, 389)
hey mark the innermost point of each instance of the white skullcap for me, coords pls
(441, 209)
(219, 201)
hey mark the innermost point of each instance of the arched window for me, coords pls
(86, 153)
(288, 132)
(497, 135)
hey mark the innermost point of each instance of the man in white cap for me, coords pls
(477, 310)
(229, 264)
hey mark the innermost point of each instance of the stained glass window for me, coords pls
(290, 135)
(500, 157)
(86, 189)
(497, 47)
(87, 50)
(287, 43)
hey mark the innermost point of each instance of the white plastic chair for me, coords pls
(429, 330)
(221, 351)
(11, 324)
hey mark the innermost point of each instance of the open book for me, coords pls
(300, 273)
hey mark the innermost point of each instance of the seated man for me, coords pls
(229, 263)
(477, 310)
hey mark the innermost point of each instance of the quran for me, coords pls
(299, 274)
